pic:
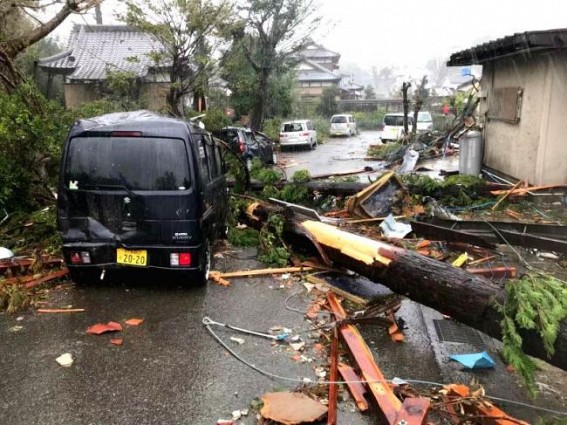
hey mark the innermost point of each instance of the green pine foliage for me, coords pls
(535, 302)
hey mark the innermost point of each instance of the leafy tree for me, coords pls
(189, 31)
(21, 26)
(239, 74)
(369, 92)
(328, 102)
(26, 63)
(271, 34)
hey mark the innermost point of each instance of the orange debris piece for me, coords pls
(291, 408)
(134, 322)
(101, 328)
(116, 341)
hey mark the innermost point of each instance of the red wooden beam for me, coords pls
(387, 401)
(333, 376)
(356, 389)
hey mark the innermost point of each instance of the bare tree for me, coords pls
(21, 26)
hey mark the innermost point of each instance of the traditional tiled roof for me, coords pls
(94, 49)
(316, 73)
(317, 51)
(526, 44)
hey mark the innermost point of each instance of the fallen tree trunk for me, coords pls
(327, 187)
(467, 298)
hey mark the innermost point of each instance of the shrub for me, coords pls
(30, 141)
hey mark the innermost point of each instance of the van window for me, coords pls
(139, 163)
(292, 126)
(341, 119)
(202, 153)
(213, 164)
(396, 120)
(424, 117)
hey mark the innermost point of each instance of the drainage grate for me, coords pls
(450, 331)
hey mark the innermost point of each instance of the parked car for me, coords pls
(261, 146)
(424, 122)
(248, 144)
(298, 133)
(140, 191)
(393, 126)
(342, 125)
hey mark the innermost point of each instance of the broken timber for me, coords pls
(468, 298)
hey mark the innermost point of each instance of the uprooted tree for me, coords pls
(21, 26)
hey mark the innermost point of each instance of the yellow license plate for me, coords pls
(132, 258)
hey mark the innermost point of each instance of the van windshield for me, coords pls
(137, 163)
(341, 119)
(396, 120)
(424, 117)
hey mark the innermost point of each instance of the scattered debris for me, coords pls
(6, 254)
(116, 341)
(65, 360)
(395, 229)
(239, 341)
(207, 321)
(297, 346)
(291, 408)
(475, 360)
(134, 321)
(355, 386)
(60, 310)
(377, 199)
(101, 328)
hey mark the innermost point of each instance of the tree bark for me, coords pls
(405, 88)
(259, 109)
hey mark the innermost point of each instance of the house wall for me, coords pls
(532, 148)
(78, 94)
(153, 95)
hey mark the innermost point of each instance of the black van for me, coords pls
(138, 190)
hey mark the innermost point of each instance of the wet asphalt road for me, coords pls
(171, 371)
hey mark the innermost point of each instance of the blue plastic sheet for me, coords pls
(474, 360)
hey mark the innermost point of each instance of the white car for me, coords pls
(297, 133)
(393, 128)
(424, 122)
(342, 125)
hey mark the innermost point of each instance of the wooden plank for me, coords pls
(523, 191)
(381, 392)
(47, 278)
(494, 272)
(414, 411)
(313, 278)
(260, 272)
(355, 387)
(333, 377)
(60, 310)
(506, 195)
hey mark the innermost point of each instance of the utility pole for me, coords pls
(98, 14)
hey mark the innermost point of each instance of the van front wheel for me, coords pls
(205, 267)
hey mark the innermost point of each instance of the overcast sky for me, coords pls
(410, 32)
